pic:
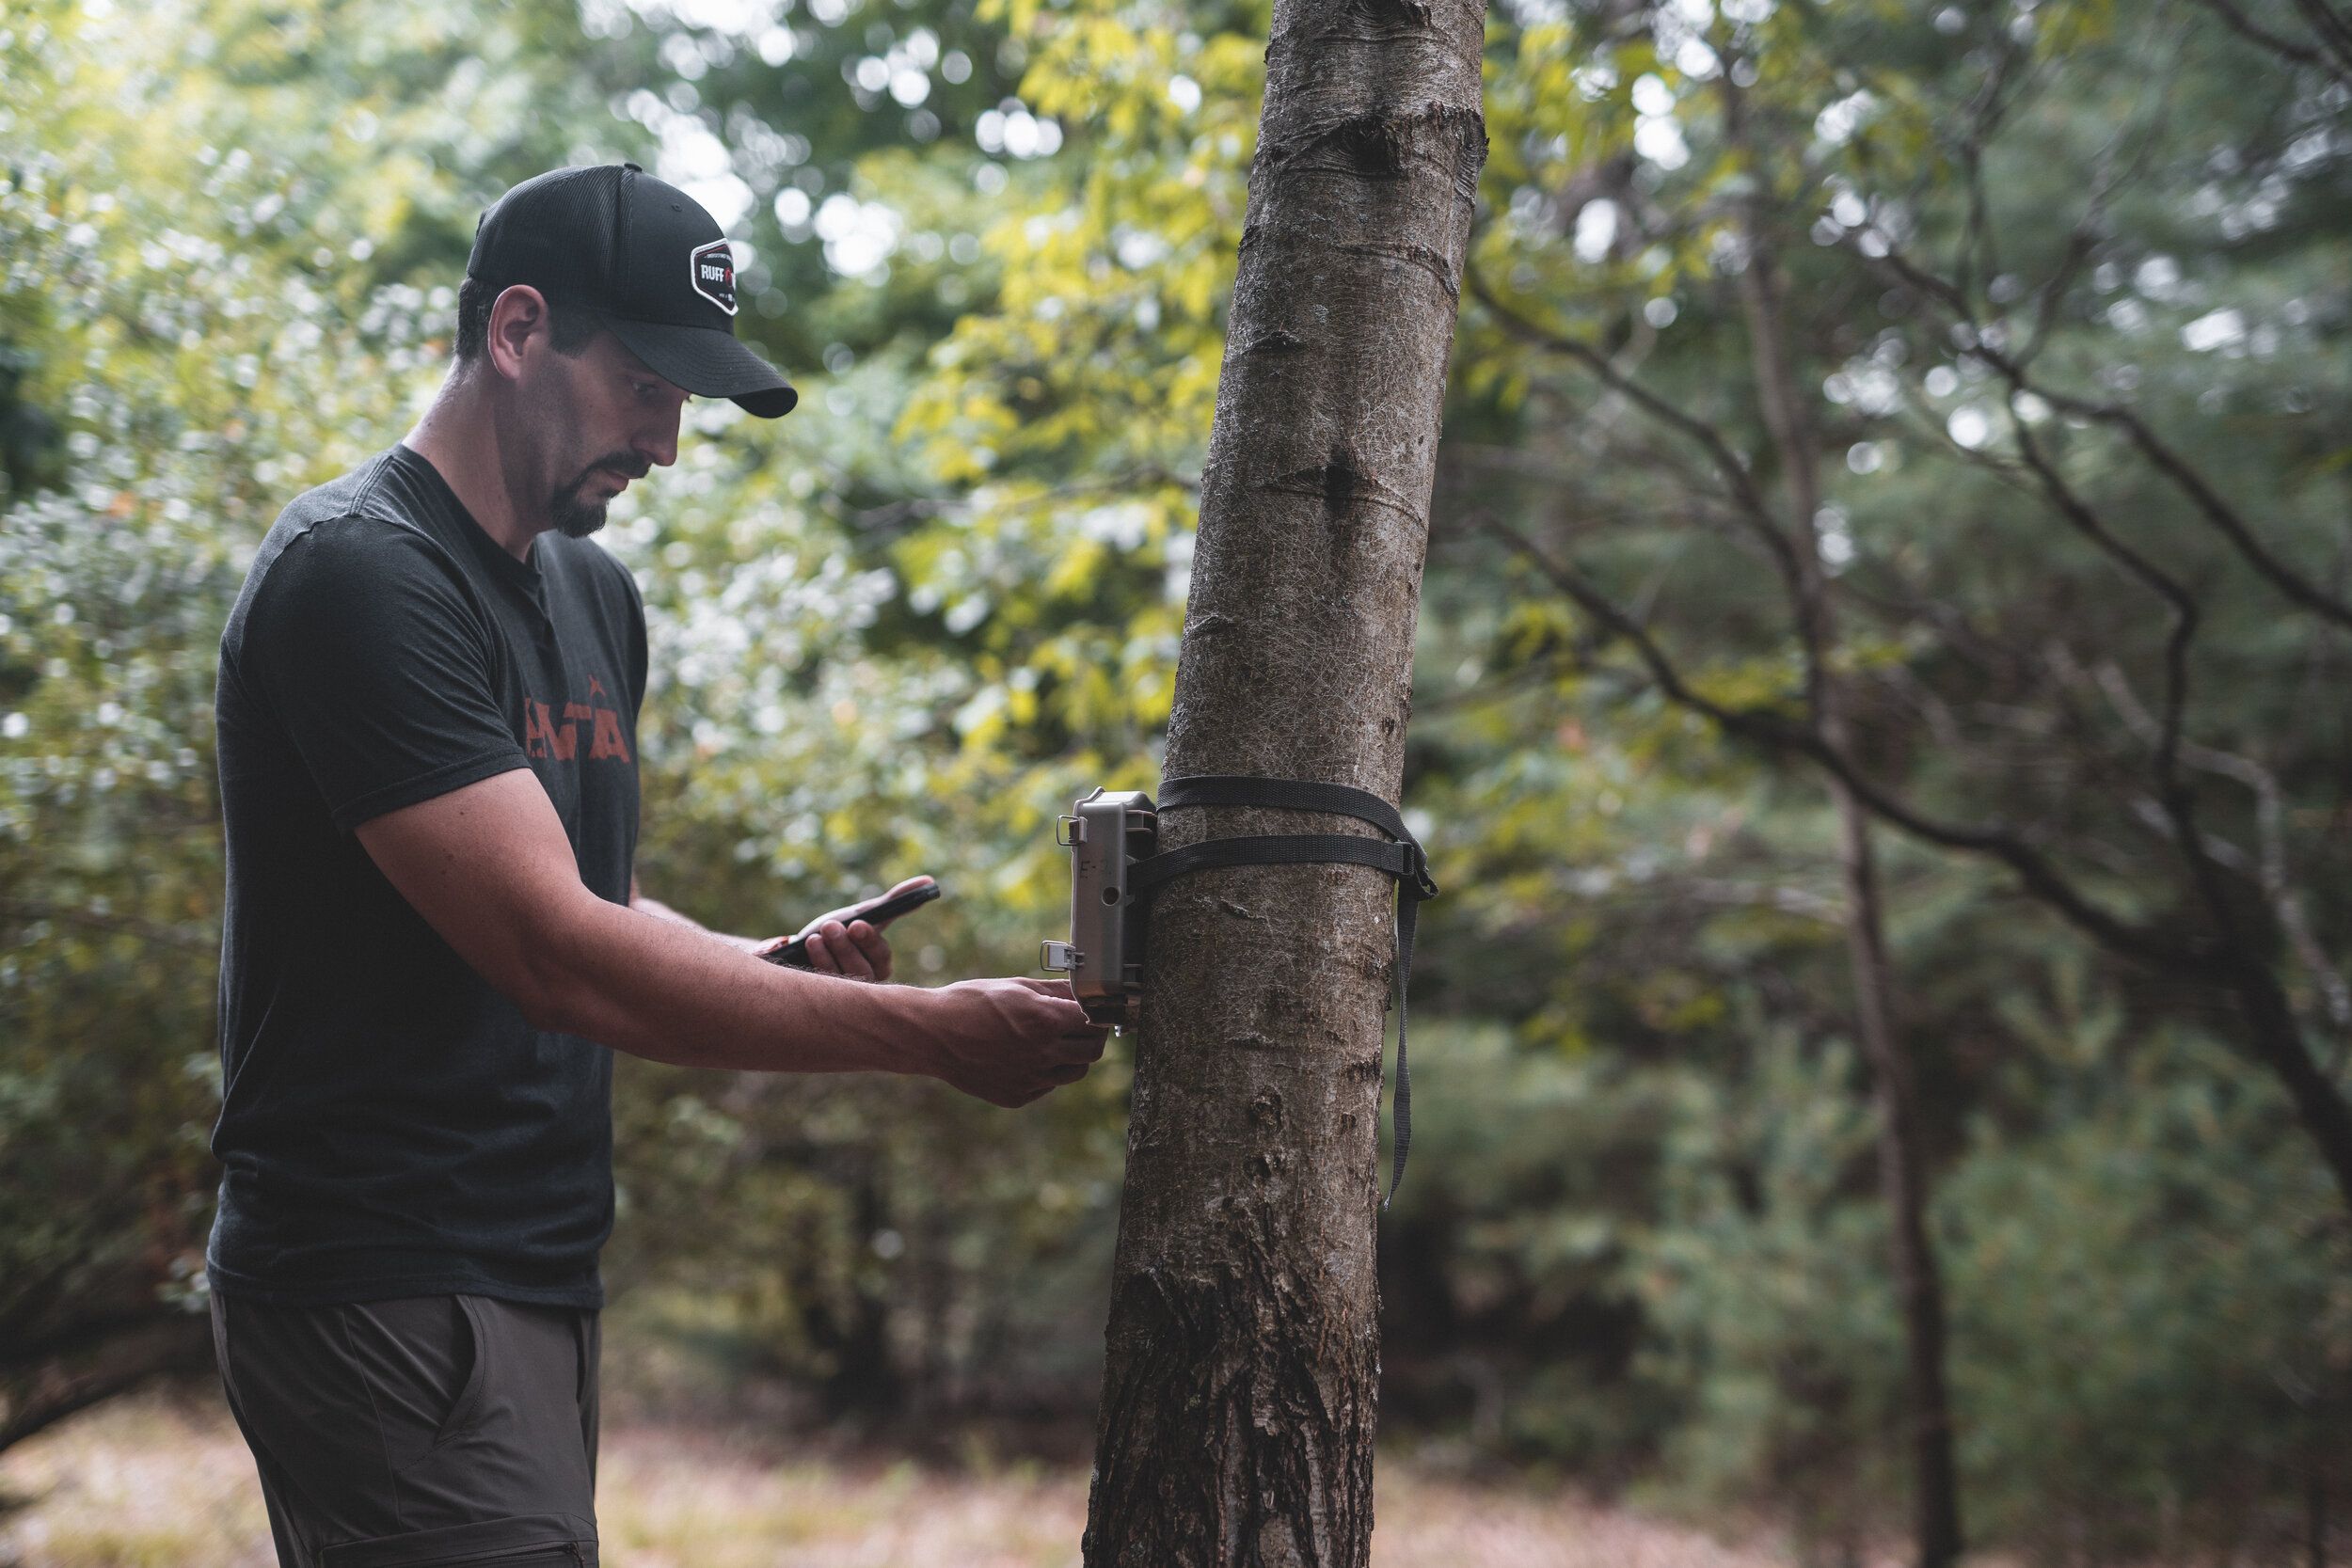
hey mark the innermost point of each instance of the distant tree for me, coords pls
(1781, 241)
(1997, 284)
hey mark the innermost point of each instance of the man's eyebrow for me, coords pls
(637, 369)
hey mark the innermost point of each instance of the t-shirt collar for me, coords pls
(522, 574)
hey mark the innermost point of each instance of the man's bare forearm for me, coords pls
(660, 987)
(490, 868)
(660, 910)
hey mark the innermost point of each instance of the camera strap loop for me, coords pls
(1401, 859)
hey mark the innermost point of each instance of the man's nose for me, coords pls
(659, 445)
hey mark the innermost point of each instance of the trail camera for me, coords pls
(1105, 833)
(1116, 866)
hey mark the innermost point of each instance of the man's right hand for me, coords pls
(1013, 1040)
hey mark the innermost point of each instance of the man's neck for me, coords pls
(459, 437)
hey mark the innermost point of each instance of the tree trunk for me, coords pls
(2277, 1041)
(1241, 1389)
(1902, 1166)
(1902, 1181)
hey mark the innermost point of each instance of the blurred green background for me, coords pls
(1642, 1246)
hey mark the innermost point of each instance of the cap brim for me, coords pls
(709, 364)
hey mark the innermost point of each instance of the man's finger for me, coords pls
(1044, 987)
(874, 946)
(1083, 1047)
(910, 883)
(1057, 990)
(845, 950)
(858, 911)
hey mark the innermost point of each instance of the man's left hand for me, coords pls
(840, 943)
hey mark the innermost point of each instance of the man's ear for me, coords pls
(515, 316)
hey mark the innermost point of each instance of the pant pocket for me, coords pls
(467, 1407)
(525, 1541)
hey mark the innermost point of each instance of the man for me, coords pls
(427, 709)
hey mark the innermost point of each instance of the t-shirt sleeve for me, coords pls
(362, 641)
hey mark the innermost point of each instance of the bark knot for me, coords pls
(1276, 340)
(1266, 1164)
(1390, 15)
(1341, 483)
(1379, 145)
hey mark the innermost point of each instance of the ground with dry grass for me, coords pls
(165, 1483)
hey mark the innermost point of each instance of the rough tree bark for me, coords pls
(1240, 1394)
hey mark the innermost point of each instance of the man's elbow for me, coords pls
(547, 1009)
(551, 979)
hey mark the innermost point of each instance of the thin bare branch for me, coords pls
(2179, 800)
(2269, 820)
(1728, 464)
(2224, 518)
(1774, 732)
(2246, 27)
(2185, 612)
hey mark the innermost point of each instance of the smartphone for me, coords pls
(794, 954)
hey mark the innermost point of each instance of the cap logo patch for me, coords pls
(711, 269)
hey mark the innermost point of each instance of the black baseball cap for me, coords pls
(648, 258)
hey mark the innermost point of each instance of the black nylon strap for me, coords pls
(1236, 789)
(1402, 860)
(1149, 875)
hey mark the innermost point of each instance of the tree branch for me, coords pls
(2327, 19)
(176, 1343)
(2185, 615)
(1749, 499)
(1775, 733)
(2270, 816)
(2178, 800)
(2224, 518)
(2287, 49)
(2335, 33)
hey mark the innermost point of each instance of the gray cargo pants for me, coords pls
(424, 1431)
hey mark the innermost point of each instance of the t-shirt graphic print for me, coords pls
(543, 737)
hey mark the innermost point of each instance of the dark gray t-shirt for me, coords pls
(390, 1124)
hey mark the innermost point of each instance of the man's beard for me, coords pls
(576, 518)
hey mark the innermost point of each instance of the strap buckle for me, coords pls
(1425, 885)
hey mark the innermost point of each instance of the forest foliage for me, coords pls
(2065, 316)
